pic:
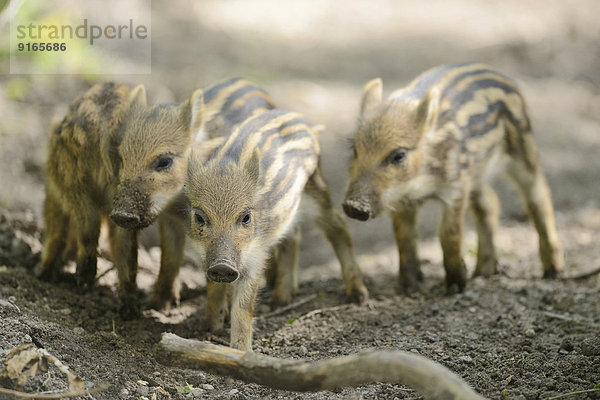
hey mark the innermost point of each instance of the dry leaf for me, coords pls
(23, 362)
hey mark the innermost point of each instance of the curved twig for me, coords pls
(427, 377)
(57, 395)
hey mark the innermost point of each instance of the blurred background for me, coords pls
(314, 56)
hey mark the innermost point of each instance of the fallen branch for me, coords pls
(57, 395)
(427, 377)
(322, 311)
(216, 339)
(289, 307)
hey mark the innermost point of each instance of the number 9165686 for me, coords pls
(42, 47)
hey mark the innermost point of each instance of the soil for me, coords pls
(512, 336)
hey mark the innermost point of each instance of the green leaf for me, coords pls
(291, 320)
(185, 389)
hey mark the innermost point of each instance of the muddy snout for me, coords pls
(131, 208)
(223, 272)
(125, 219)
(357, 208)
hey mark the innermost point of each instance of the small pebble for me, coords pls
(65, 311)
(529, 332)
(466, 359)
(207, 386)
(78, 330)
(233, 392)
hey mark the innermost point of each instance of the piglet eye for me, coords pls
(163, 163)
(199, 220)
(398, 156)
(246, 218)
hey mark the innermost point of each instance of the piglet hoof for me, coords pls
(55, 275)
(280, 300)
(486, 268)
(163, 303)
(86, 272)
(164, 299)
(550, 273)
(456, 278)
(47, 273)
(410, 276)
(129, 311)
(129, 307)
(84, 282)
(408, 284)
(358, 294)
(419, 274)
(216, 326)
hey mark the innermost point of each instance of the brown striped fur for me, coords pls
(79, 179)
(441, 137)
(244, 201)
(105, 159)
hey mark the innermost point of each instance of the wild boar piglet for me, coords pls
(244, 201)
(441, 137)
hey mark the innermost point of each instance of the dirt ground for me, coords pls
(511, 336)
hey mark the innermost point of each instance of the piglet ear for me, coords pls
(252, 166)
(199, 155)
(196, 111)
(429, 109)
(373, 92)
(138, 96)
